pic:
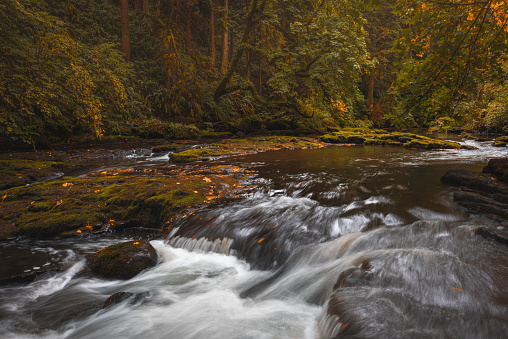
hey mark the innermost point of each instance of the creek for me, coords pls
(265, 266)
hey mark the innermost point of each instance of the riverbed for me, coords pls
(266, 265)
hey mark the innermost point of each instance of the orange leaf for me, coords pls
(261, 240)
(67, 184)
(457, 289)
(3, 198)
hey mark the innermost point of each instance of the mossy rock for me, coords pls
(75, 206)
(196, 154)
(378, 137)
(502, 139)
(22, 172)
(124, 260)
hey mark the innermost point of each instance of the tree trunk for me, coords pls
(213, 51)
(372, 79)
(146, 7)
(249, 57)
(225, 40)
(188, 25)
(126, 40)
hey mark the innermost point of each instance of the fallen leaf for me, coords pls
(3, 198)
(261, 240)
(67, 184)
(205, 179)
(457, 289)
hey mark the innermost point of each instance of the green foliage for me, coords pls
(50, 82)
(450, 56)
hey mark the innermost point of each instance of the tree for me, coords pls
(225, 38)
(298, 57)
(448, 49)
(126, 47)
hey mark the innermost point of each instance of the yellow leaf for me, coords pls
(205, 179)
(67, 184)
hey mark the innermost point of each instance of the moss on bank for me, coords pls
(228, 147)
(381, 137)
(110, 200)
(22, 172)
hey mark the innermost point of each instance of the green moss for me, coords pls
(195, 154)
(22, 172)
(45, 225)
(378, 137)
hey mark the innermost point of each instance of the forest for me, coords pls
(76, 69)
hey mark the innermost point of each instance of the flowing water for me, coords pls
(265, 266)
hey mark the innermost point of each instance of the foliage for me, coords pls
(450, 53)
(50, 82)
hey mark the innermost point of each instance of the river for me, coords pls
(265, 266)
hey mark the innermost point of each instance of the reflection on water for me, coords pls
(266, 266)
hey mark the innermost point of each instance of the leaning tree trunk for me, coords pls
(124, 18)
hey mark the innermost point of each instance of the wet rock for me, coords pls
(122, 296)
(475, 181)
(481, 193)
(499, 144)
(499, 168)
(498, 236)
(124, 260)
(28, 277)
(341, 321)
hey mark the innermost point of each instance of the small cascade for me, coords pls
(204, 245)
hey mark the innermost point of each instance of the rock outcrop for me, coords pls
(482, 193)
(124, 260)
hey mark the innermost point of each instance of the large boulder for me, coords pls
(123, 260)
